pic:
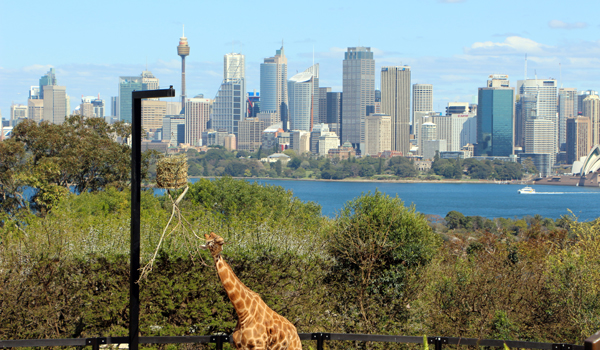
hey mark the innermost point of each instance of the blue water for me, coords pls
(487, 200)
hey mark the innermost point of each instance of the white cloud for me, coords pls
(556, 24)
(43, 68)
(512, 45)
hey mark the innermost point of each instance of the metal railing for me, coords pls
(591, 343)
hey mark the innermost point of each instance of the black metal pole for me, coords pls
(136, 188)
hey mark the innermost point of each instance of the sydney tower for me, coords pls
(183, 50)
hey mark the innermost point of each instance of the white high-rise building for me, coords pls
(545, 92)
(234, 66)
(229, 107)
(301, 95)
(395, 102)
(378, 133)
(422, 99)
(55, 103)
(197, 114)
(18, 112)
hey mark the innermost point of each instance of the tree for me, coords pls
(295, 162)
(278, 167)
(12, 163)
(455, 219)
(376, 241)
(80, 153)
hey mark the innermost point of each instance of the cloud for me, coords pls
(512, 45)
(37, 68)
(556, 24)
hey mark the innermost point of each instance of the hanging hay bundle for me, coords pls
(172, 172)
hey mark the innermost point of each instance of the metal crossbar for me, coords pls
(592, 343)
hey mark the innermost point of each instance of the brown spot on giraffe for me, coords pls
(259, 327)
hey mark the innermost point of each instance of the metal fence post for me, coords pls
(320, 338)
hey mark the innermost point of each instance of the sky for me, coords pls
(453, 44)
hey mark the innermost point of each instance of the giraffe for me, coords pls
(258, 327)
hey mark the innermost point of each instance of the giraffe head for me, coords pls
(214, 244)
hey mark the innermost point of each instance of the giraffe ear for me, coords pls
(206, 237)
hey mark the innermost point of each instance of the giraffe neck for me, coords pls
(239, 295)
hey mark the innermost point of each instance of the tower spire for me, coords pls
(183, 50)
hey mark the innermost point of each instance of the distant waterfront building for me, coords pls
(328, 141)
(395, 102)
(422, 99)
(358, 99)
(334, 110)
(301, 96)
(153, 112)
(378, 134)
(545, 94)
(114, 107)
(250, 134)
(495, 118)
(55, 104)
(98, 107)
(538, 136)
(273, 83)
(35, 110)
(317, 131)
(229, 107)
(567, 108)
(18, 112)
(126, 86)
(582, 95)
(46, 80)
(197, 114)
(457, 108)
(579, 138)
(591, 109)
(300, 141)
(322, 117)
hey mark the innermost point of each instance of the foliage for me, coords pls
(376, 242)
(51, 158)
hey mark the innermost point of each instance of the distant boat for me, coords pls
(526, 190)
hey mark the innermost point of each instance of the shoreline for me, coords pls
(444, 181)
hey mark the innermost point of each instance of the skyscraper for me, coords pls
(48, 79)
(273, 83)
(229, 107)
(197, 113)
(358, 98)
(579, 138)
(422, 106)
(126, 86)
(378, 133)
(495, 118)
(591, 109)
(567, 108)
(395, 102)
(301, 96)
(422, 98)
(541, 94)
(55, 104)
(183, 50)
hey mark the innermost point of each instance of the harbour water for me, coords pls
(487, 200)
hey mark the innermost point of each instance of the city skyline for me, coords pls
(455, 57)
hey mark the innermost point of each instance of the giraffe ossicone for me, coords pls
(258, 327)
